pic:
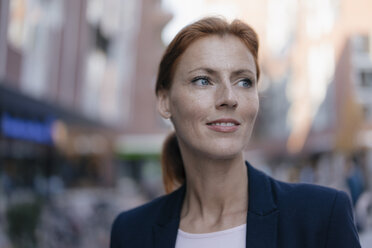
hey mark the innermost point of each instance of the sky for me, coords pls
(185, 12)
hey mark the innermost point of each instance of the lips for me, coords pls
(224, 121)
(224, 125)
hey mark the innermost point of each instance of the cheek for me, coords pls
(189, 107)
(185, 114)
(251, 107)
(255, 108)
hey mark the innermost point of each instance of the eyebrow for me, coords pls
(243, 71)
(206, 69)
(211, 71)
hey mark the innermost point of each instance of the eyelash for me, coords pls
(201, 78)
(250, 82)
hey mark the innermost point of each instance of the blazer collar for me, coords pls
(262, 216)
(166, 229)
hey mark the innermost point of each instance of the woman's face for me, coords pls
(213, 101)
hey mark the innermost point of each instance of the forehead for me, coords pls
(220, 53)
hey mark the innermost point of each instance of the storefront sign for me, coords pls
(39, 132)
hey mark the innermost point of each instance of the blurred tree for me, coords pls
(22, 220)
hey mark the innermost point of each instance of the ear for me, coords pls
(163, 104)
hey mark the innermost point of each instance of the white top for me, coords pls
(232, 238)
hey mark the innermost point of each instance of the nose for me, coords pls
(225, 97)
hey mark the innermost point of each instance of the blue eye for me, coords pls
(246, 83)
(201, 81)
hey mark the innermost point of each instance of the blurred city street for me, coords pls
(80, 137)
(366, 239)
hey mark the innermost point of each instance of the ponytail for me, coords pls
(172, 164)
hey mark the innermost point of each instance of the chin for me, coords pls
(215, 148)
(223, 152)
(223, 156)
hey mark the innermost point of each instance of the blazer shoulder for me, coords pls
(146, 213)
(134, 226)
(322, 211)
(305, 190)
(308, 197)
(129, 218)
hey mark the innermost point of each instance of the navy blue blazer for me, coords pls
(279, 215)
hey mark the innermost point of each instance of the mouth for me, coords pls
(224, 122)
(224, 125)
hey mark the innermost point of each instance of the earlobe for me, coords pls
(163, 104)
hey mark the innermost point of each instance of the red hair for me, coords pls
(172, 165)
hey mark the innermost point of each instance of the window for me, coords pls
(366, 79)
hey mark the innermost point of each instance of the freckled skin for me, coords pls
(226, 61)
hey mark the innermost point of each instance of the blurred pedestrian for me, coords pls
(355, 180)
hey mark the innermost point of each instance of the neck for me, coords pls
(217, 189)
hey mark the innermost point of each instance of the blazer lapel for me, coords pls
(262, 216)
(165, 236)
(166, 229)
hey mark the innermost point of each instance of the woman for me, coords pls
(207, 87)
